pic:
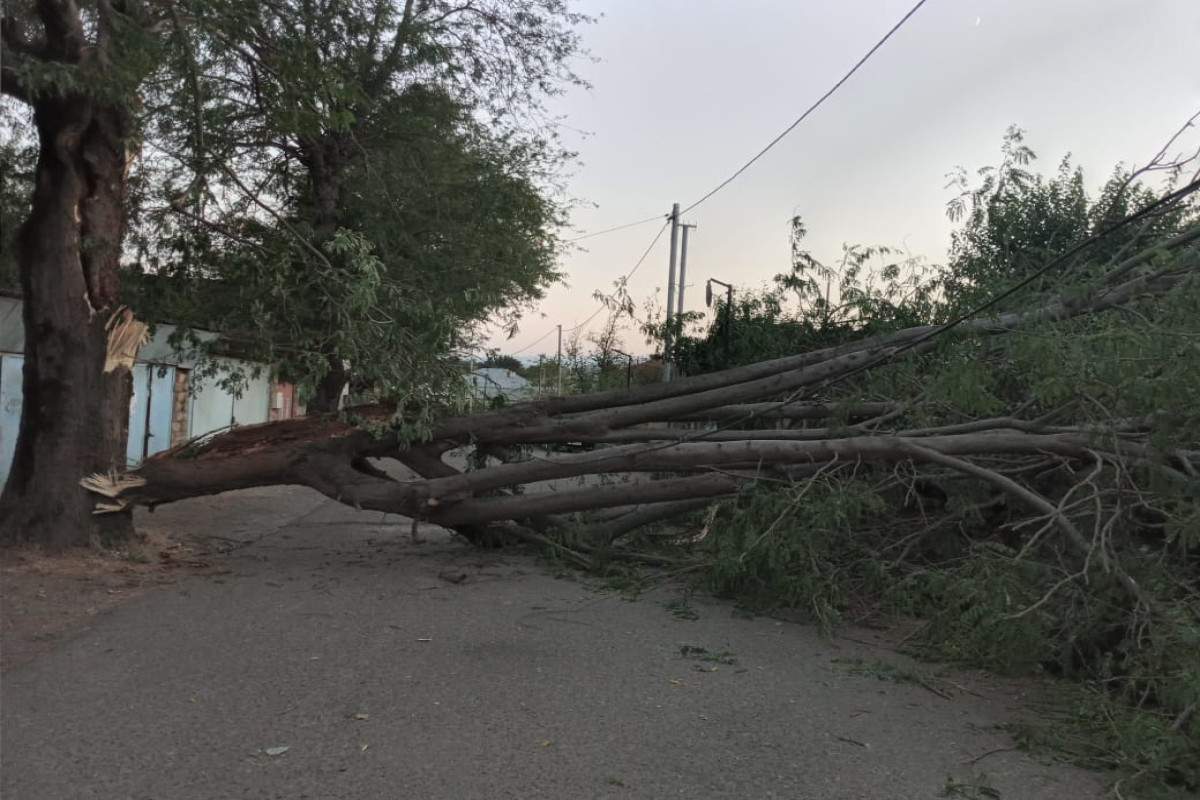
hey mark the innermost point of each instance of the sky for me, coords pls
(684, 93)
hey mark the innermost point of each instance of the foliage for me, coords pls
(991, 580)
(594, 361)
(510, 363)
(1014, 221)
(17, 157)
(870, 290)
(364, 181)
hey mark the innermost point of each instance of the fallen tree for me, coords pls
(666, 467)
(1023, 480)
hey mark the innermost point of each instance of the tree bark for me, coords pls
(328, 395)
(77, 371)
(325, 158)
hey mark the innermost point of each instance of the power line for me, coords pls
(978, 310)
(626, 277)
(811, 108)
(806, 392)
(535, 342)
(774, 141)
(617, 228)
(742, 169)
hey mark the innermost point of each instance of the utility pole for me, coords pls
(670, 293)
(560, 360)
(682, 269)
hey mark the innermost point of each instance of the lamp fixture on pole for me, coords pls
(708, 301)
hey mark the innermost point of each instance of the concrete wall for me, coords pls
(212, 407)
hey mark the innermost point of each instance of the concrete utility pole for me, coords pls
(670, 293)
(682, 269)
(560, 360)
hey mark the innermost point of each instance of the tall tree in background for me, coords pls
(79, 71)
(367, 178)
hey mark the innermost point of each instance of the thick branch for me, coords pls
(798, 410)
(611, 530)
(733, 388)
(1056, 309)
(651, 458)
(1128, 265)
(586, 498)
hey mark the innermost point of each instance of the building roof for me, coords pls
(497, 380)
(158, 350)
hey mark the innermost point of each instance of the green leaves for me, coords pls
(980, 570)
(327, 164)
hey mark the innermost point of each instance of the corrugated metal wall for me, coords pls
(210, 409)
(214, 408)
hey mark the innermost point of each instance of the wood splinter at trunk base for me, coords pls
(111, 486)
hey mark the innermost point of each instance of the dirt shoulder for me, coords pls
(48, 598)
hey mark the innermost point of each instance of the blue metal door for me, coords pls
(162, 401)
(150, 411)
(10, 410)
(139, 410)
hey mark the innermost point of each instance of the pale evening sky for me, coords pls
(685, 92)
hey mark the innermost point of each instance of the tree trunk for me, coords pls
(325, 159)
(78, 346)
(328, 394)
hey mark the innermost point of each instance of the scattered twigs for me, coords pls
(1072, 534)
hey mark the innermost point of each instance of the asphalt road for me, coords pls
(332, 658)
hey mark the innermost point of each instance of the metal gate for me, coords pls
(150, 411)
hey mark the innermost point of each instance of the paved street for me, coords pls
(326, 656)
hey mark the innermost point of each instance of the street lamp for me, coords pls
(628, 367)
(708, 301)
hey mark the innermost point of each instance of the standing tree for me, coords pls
(79, 71)
(364, 176)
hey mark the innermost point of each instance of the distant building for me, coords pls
(489, 382)
(171, 403)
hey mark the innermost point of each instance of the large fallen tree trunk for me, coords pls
(671, 446)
